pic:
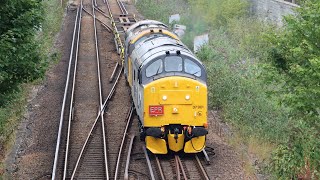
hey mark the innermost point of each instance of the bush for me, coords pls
(296, 57)
(20, 56)
(161, 10)
(27, 31)
(218, 13)
(236, 89)
(265, 86)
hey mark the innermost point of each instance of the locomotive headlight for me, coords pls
(164, 98)
(187, 97)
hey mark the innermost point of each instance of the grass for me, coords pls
(50, 28)
(9, 118)
(12, 112)
(234, 59)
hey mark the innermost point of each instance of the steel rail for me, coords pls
(102, 23)
(206, 156)
(72, 97)
(113, 72)
(182, 169)
(109, 9)
(177, 167)
(122, 12)
(126, 171)
(98, 115)
(100, 88)
(202, 170)
(122, 8)
(160, 168)
(122, 142)
(148, 162)
(101, 12)
(54, 168)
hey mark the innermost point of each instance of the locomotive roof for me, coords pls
(143, 23)
(157, 46)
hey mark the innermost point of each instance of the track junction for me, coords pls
(97, 123)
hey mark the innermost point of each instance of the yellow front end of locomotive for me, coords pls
(174, 101)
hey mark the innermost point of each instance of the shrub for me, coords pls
(296, 55)
(27, 31)
(20, 56)
(235, 87)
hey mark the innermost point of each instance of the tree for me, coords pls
(20, 57)
(296, 55)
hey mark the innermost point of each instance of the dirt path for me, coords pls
(33, 152)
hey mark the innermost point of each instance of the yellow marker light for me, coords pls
(164, 98)
(187, 97)
(175, 110)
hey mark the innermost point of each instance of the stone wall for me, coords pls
(272, 10)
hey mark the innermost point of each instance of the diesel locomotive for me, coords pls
(168, 87)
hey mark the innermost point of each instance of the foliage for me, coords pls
(161, 9)
(235, 88)
(51, 26)
(27, 31)
(9, 115)
(269, 90)
(20, 59)
(296, 56)
(218, 12)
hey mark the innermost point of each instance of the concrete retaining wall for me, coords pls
(272, 10)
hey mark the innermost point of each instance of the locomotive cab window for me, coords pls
(154, 68)
(192, 68)
(173, 63)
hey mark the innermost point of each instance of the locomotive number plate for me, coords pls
(156, 110)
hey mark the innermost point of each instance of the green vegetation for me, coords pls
(295, 59)
(27, 30)
(20, 58)
(264, 80)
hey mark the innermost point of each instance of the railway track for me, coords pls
(97, 124)
(177, 166)
(81, 150)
